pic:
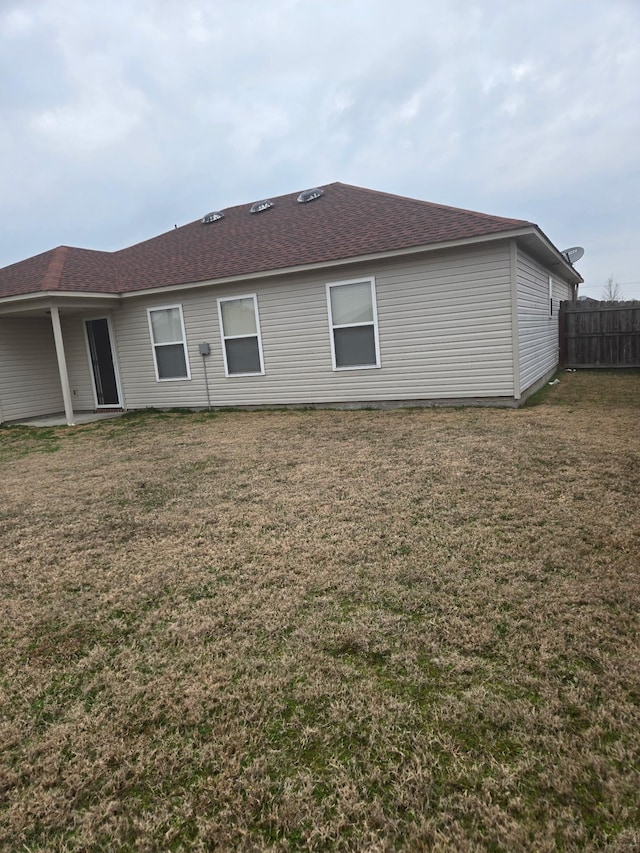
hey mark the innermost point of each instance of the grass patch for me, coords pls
(543, 393)
(349, 630)
(600, 388)
(19, 441)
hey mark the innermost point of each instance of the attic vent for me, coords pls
(212, 217)
(259, 206)
(310, 195)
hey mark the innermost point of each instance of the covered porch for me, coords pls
(58, 361)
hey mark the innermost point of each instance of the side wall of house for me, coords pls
(537, 319)
(444, 329)
(29, 379)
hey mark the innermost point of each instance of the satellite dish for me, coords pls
(574, 254)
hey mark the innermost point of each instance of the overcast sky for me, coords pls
(120, 119)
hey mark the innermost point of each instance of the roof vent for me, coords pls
(259, 206)
(310, 195)
(212, 217)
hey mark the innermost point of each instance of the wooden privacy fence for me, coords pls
(599, 334)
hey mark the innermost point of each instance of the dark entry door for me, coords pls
(104, 372)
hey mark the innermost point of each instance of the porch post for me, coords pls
(62, 365)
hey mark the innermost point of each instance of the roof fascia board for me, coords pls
(74, 294)
(572, 272)
(341, 262)
(48, 296)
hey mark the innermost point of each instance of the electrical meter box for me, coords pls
(205, 349)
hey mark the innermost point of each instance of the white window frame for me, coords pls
(372, 284)
(169, 343)
(550, 304)
(224, 338)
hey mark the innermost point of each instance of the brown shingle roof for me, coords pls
(65, 269)
(346, 222)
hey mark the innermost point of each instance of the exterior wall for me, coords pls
(537, 326)
(29, 379)
(444, 327)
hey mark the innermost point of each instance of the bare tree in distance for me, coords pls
(612, 292)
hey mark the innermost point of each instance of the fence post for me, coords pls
(561, 340)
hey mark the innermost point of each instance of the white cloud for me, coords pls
(523, 71)
(15, 22)
(164, 108)
(91, 123)
(409, 109)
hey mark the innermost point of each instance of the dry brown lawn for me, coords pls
(325, 630)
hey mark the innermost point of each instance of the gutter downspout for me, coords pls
(62, 365)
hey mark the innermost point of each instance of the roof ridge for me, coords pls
(53, 275)
(425, 203)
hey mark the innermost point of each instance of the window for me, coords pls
(354, 324)
(169, 343)
(550, 296)
(240, 332)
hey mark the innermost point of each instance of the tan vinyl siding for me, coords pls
(537, 329)
(444, 328)
(29, 379)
